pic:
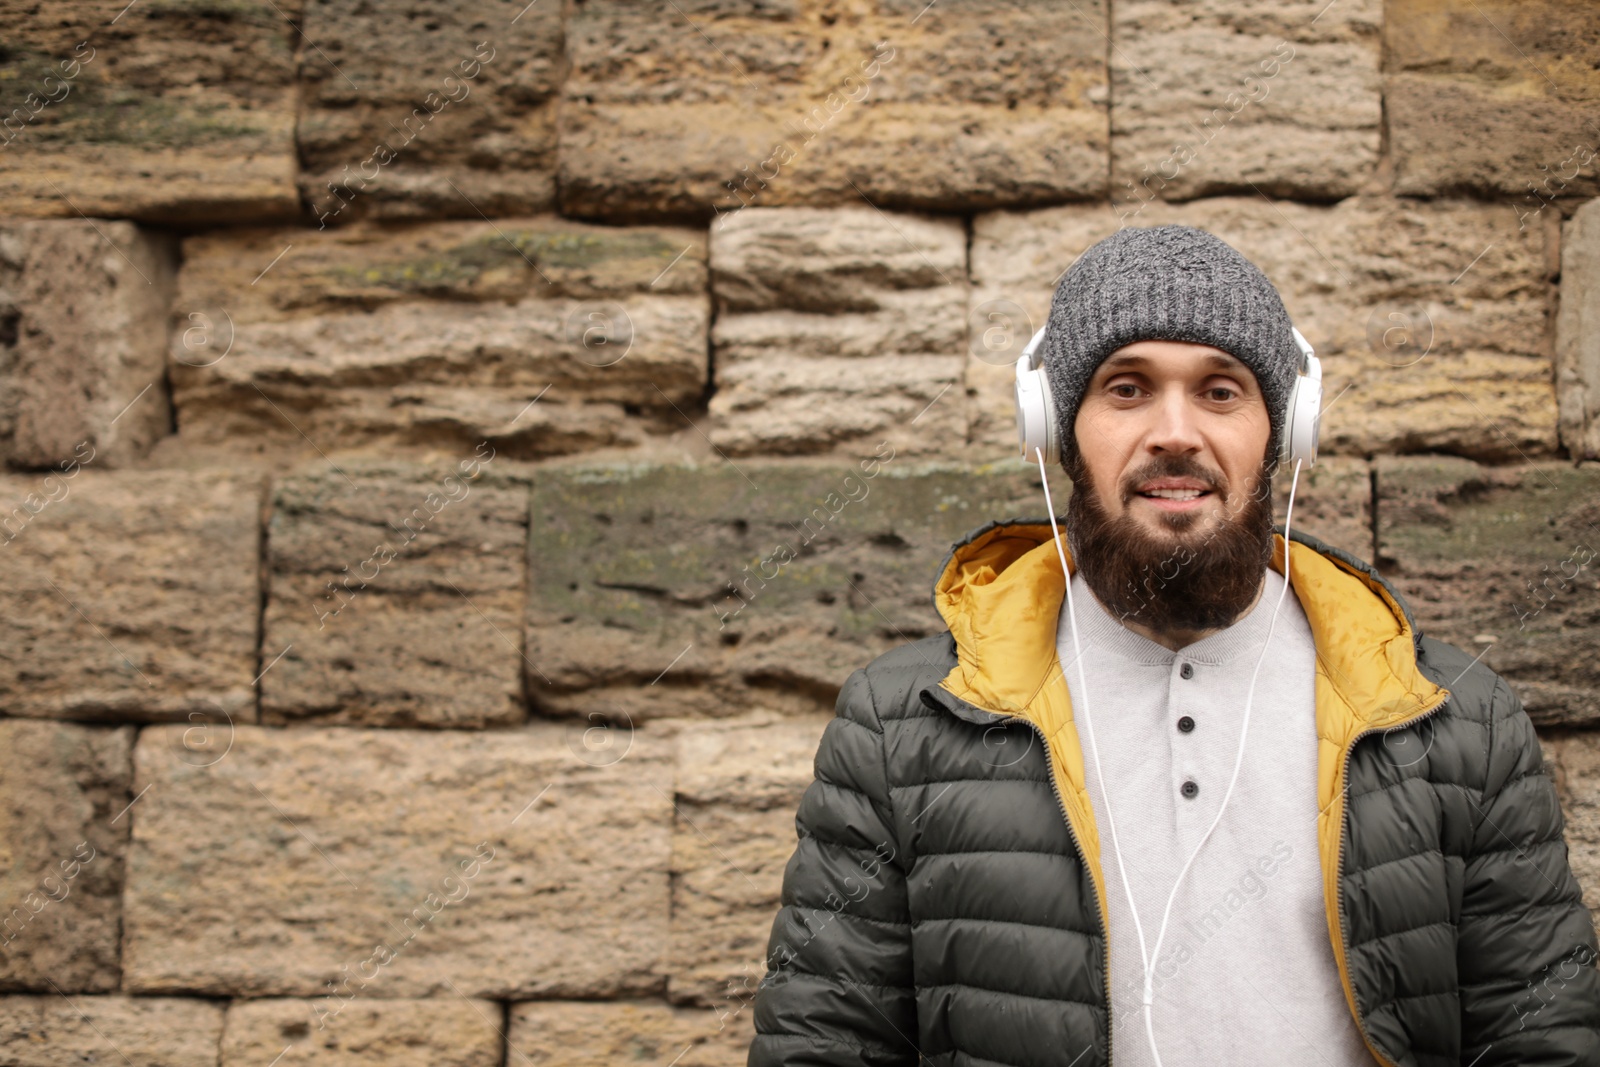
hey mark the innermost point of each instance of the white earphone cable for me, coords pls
(1077, 651)
(1147, 959)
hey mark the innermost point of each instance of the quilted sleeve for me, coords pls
(838, 988)
(1526, 950)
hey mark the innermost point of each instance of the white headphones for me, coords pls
(1036, 413)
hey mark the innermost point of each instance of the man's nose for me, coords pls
(1174, 426)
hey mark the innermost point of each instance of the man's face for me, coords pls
(1171, 512)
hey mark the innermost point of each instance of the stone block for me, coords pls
(1332, 502)
(690, 591)
(447, 115)
(1578, 334)
(1429, 318)
(1501, 561)
(738, 786)
(166, 111)
(52, 1031)
(83, 337)
(61, 856)
(539, 335)
(448, 1031)
(351, 865)
(129, 595)
(396, 595)
(1209, 98)
(1494, 97)
(700, 109)
(838, 327)
(579, 1034)
(1574, 760)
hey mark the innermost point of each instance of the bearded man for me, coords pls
(1169, 811)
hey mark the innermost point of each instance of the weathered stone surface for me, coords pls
(50, 1031)
(166, 111)
(737, 789)
(700, 108)
(1217, 97)
(527, 863)
(1333, 501)
(129, 595)
(1574, 759)
(578, 1034)
(439, 335)
(1429, 318)
(838, 327)
(692, 591)
(1578, 333)
(61, 855)
(447, 115)
(396, 595)
(1504, 554)
(83, 337)
(1494, 96)
(449, 1031)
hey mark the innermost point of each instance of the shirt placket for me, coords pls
(1195, 783)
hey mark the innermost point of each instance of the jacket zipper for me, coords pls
(1105, 934)
(1338, 885)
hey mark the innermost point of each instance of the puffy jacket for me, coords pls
(945, 902)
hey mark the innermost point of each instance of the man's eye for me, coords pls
(1226, 393)
(1133, 390)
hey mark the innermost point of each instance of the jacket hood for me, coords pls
(1000, 590)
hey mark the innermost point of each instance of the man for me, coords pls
(992, 847)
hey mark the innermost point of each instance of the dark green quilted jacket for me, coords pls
(945, 903)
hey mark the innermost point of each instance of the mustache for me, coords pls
(1172, 467)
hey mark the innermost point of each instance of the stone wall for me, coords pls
(401, 410)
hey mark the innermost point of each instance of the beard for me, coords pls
(1170, 581)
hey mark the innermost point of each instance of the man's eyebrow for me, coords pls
(1213, 360)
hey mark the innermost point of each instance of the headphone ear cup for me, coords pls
(1036, 413)
(1035, 417)
(1302, 417)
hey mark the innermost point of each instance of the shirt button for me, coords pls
(1186, 671)
(1186, 724)
(1190, 789)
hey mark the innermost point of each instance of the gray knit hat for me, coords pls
(1171, 283)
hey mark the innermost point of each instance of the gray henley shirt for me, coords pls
(1246, 973)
